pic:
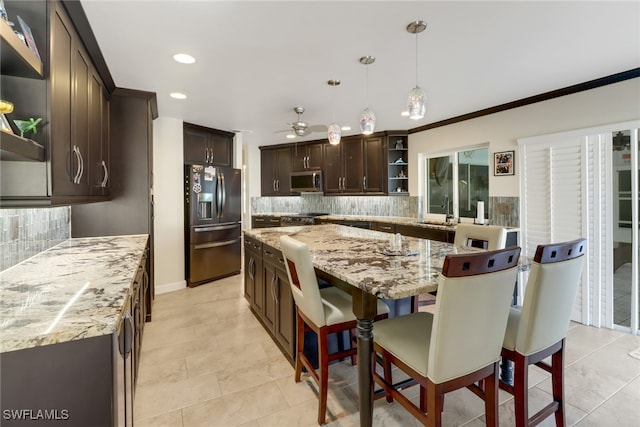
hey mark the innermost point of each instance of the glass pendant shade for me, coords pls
(367, 122)
(334, 133)
(416, 103)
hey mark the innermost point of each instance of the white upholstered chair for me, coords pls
(494, 237)
(460, 343)
(538, 329)
(324, 311)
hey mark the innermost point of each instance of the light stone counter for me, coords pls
(356, 256)
(72, 291)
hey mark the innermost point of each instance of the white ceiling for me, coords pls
(256, 60)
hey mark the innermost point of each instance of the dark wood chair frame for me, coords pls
(483, 382)
(520, 387)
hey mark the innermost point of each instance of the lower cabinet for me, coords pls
(426, 233)
(266, 288)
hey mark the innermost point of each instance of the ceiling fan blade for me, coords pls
(283, 131)
(318, 128)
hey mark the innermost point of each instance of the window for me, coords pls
(457, 182)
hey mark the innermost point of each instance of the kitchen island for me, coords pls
(353, 259)
(70, 320)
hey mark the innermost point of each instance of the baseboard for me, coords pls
(170, 287)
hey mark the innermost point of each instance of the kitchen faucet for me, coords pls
(445, 205)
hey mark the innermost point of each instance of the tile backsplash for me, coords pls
(502, 210)
(27, 232)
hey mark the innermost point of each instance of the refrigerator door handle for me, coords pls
(218, 196)
(217, 244)
(215, 228)
(224, 194)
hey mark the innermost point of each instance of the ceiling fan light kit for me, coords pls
(416, 102)
(367, 117)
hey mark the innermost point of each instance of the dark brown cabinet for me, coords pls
(208, 146)
(72, 101)
(265, 221)
(267, 290)
(275, 166)
(426, 232)
(355, 166)
(307, 156)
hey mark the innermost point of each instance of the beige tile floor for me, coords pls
(206, 361)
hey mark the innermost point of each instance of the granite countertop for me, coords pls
(75, 290)
(440, 225)
(356, 256)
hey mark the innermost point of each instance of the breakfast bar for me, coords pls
(358, 261)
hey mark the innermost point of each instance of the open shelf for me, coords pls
(15, 148)
(15, 56)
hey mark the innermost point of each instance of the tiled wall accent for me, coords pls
(504, 211)
(27, 232)
(406, 206)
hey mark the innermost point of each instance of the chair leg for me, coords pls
(299, 346)
(490, 386)
(386, 369)
(323, 366)
(352, 342)
(435, 403)
(521, 390)
(557, 385)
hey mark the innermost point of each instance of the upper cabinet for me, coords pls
(355, 166)
(207, 146)
(275, 167)
(307, 156)
(73, 103)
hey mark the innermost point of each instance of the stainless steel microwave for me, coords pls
(306, 181)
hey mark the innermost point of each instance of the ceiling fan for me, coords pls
(300, 128)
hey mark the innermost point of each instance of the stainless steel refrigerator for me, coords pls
(212, 212)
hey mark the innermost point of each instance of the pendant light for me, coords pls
(367, 117)
(334, 132)
(416, 102)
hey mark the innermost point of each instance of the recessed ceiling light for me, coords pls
(178, 95)
(183, 58)
(290, 136)
(405, 114)
(346, 128)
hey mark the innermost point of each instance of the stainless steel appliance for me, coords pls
(300, 219)
(306, 181)
(212, 223)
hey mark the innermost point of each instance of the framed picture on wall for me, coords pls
(504, 163)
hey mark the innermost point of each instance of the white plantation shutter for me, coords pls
(566, 194)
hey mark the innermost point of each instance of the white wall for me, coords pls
(619, 102)
(168, 224)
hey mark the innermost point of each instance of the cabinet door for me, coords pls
(196, 145)
(374, 166)
(105, 146)
(64, 162)
(221, 148)
(285, 329)
(299, 153)
(80, 120)
(268, 172)
(353, 166)
(270, 281)
(96, 171)
(283, 171)
(314, 155)
(332, 169)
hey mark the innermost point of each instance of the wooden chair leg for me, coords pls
(299, 346)
(521, 390)
(490, 386)
(435, 403)
(352, 343)
(323, 366)
(386, 369)
(557, 385)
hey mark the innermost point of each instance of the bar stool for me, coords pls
(538, 329)
(324, 311)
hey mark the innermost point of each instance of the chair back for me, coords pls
(494, 236)
(471, 312)
(302, 278)
(549, 295)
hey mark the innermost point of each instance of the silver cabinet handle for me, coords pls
(273, 285)
(364, 182)
(76, 177)
(106, 174)
(211, 155)
(274, 185)
(251, 264)
(81, 165)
